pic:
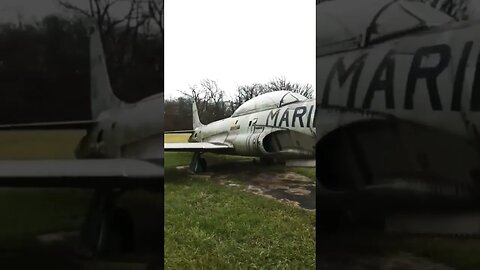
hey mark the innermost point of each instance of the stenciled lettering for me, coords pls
(284, 118)
(460, 77)
(310, 115)
(475, 98)
(299, 112)
(273, 115)
(387, 67)
(418, 72)
(343, 74)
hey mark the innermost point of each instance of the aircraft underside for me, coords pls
(289, 144)
(275, 147)
(375, 172)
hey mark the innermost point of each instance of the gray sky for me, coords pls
(28, 8)
(238, 42)
(9, 9)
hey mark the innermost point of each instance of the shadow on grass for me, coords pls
(216, 164)
(456, 252)
(222, 164)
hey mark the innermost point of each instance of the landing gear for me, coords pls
(108, 229)
(198, 164)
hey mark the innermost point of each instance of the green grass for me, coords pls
(39, 144)
(458, 253)
(207, 225)
(210, 226)
(176, 137)
(26, 212)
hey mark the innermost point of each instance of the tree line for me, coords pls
(44, 64)
(214, 104)
(454, 8)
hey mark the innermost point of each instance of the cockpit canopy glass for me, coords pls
(346, 25)
(267, 101)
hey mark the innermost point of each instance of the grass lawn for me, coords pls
(457, 252)
(207, 225)
(39, 144)
(177, 137)
(210, 226)
(26, 212)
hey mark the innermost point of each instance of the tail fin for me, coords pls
(196, 120)
(102, 96)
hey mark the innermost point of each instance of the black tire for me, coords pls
(203, 164)
(199, 166)
(120, 238)
(114, 235)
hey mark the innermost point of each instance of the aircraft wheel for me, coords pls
(203, 164)
(120, 234)
(114, 235)
(108, 230)
(199, 165)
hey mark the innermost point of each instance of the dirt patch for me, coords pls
(288, 187)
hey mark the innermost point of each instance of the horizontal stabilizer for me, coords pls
(179, 131)
(84, 124)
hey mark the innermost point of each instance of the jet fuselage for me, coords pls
(287, 132)
(130, 131)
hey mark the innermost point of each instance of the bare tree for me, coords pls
(155, 9)
(246, 92)
(455, 8)
(121, 33)
(140, 13)
(210, 99)
(213, 105)
(281, 84)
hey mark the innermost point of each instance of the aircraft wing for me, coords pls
(179, 131)
(82, 124)
(197, 147)
(80, 173)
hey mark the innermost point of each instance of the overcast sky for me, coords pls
(9, 9)
(238, 42)
(28, 9)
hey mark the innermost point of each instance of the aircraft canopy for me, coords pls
(267, 101)
(345, 24)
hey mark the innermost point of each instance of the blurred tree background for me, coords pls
(454, 8)
(44, 64)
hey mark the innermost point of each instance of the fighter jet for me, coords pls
(122, 149)
(398, 92)
(274, 125)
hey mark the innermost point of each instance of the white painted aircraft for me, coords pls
(398, 92)
(122, 149)
(275, 125)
